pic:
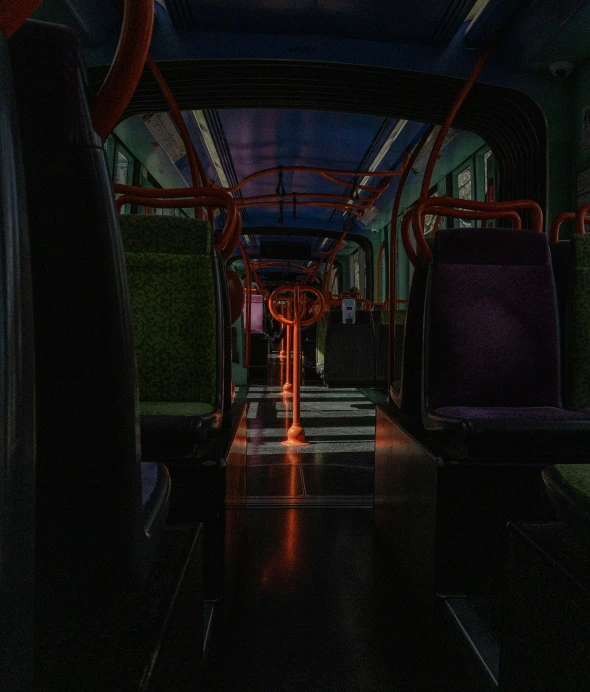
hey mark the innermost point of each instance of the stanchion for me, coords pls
(296, 433)
(282, 355)
(288, 386)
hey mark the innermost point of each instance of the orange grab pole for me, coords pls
(196, 167)
(233, 226)
(14, 14)
(248, 296)
(393, 243)
(446, 126)
(378, 277)
(123, 77)
(288, 385)
(560, 219)
(282, 356)
(480, 210)
(324, 172)
(296, 434)
(580, 218)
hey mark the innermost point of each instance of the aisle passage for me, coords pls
(318, 609)
(335, 469)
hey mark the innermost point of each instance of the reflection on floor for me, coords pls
(318, 609)
(335, 469)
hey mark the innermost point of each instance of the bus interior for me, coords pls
(295, 346)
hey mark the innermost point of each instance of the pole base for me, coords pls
(295, 437)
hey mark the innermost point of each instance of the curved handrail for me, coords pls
(562, 218)
(480, 210)
(580, 217)
(197, 197)
(296, 291)
(126, 70)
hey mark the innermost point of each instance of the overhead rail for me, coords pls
(127, 68)
(327, 173)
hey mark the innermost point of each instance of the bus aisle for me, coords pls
(317, 608)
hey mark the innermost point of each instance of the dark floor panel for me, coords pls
(271, 481)
(337, 480)
(351, 459)
(319, 611)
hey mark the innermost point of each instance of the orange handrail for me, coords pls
(378, 277)
(580, 218)
(393, 242)
(446, 126)
(126, 70)
(199, 197)
(14, 14)
(324, 172)
(248, 292)
(560, 219)
(479, 210)
(198, 176)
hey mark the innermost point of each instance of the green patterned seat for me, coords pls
(578, 328)
(568, 486)
(173, 283)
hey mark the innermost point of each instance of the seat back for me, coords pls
(409, 397)
(577, 324)
(177, 308)
(90, 533)
(381, 327)
(491, 331)
(349, 357)
(17, 385)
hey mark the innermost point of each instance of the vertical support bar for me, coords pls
(288, 387)
(282, 355)
(296, 434)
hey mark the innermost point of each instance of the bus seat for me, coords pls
(95, 531)
(410, 388)
(176, 304)
(491, 342)
(349, 357)
(568, 487)
(577, 324)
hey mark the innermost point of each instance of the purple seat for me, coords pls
(491, 341)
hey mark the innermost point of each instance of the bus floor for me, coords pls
(317, 608)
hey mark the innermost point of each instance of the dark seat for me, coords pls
(381, 327)
(491, 342)
(177, 307)
(407, 393)
(568, 487)
(349, 357)
(99, 510)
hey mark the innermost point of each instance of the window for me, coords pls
(464, 191)
(430, 219)
(355, 272)
(488, 176)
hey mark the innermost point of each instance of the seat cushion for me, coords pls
(175, 408)
(501, 413)
(568, 487)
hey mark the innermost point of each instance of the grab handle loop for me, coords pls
(280, 190)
